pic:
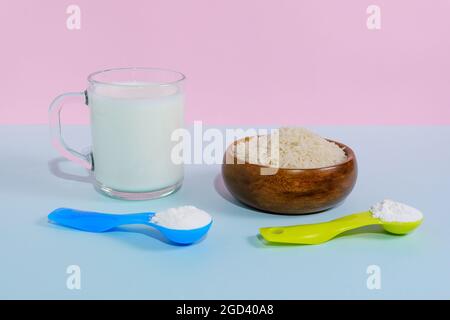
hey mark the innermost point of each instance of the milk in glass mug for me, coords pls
(133, 113)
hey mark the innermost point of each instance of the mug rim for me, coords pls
(91, 77)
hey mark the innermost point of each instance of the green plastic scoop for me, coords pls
(322, 232)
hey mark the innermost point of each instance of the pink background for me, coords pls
(247, 61)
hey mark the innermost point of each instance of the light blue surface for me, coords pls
(409, 164)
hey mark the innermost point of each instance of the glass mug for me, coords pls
(133, 113)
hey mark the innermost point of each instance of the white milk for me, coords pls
(131, 129)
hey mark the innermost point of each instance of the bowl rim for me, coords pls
(348, 152)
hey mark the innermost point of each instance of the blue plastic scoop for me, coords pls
(101, 222)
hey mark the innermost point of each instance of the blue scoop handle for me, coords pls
(96, 221)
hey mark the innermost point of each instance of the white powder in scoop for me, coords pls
(185, 217)
(392, 211)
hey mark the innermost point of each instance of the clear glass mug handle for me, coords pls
(58, 142)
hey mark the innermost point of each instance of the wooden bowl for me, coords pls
(290, 191)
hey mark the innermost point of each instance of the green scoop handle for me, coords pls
(322, 232)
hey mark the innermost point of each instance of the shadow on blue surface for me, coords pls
(374, 231)
(220, 188)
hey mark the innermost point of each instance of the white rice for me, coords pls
(298, 148)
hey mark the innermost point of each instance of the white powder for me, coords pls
(185, 217)
(392, 211)
(297, 148)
